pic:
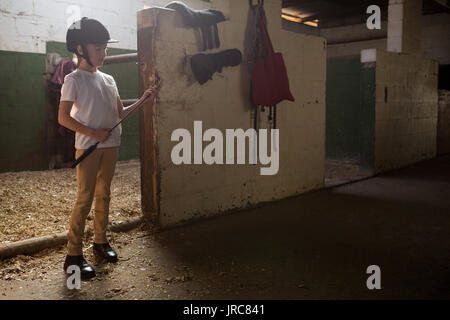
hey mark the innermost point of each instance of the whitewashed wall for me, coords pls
(26, 25)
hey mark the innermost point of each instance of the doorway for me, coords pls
(344, 120)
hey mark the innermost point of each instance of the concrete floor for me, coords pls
(314, 246)
(339, 172)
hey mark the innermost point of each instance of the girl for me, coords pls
(90, 105)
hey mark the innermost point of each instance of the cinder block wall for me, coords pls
(405, 110)
(435, 42)
(443, 134)
(192, 191)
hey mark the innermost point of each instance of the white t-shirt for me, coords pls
(95, 105)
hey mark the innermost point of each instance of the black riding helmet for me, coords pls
(86, 31)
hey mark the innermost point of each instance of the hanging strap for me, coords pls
(250, 3)
(267, 43)
(255, 118)
(216, 36)
(204, 37)
(275, 116)
(85, 54)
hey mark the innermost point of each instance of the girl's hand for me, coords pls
(101, 134)
(150, 92)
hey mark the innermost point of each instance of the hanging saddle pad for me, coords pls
(205, 65)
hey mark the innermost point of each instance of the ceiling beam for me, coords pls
(443, 3)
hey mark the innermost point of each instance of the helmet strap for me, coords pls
(85, 55)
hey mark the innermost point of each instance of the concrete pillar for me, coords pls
(404, 26)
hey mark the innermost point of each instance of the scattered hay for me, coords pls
(39, 203)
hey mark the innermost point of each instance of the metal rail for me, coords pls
(121, 58)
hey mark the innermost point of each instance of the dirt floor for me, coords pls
(39, 203)
(314, 246)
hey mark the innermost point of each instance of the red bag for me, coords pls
(270, 83)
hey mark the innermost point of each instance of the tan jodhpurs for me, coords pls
(94, 175)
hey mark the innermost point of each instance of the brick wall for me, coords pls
(27, 25)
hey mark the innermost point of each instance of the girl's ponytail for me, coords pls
(77, 59)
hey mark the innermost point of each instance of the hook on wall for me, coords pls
(259, 2)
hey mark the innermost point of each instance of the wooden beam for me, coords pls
(150, 176)
(443, 3)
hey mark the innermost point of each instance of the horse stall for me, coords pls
(173, 194)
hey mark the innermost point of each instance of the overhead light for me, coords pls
(291, 18)
(314, 23)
